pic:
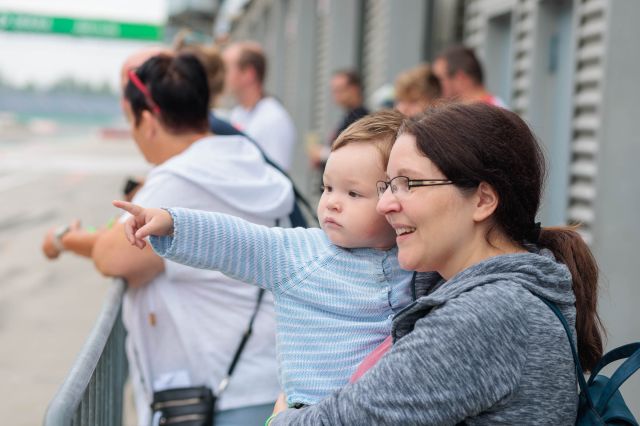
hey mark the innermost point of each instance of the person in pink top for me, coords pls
(462, 78)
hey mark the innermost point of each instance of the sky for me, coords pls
(45, 59)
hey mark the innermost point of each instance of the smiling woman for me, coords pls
(478, 346)
(440, 217)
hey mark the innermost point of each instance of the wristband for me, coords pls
(271, 417)
(60, 232)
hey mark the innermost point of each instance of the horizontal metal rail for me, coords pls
(92, 392)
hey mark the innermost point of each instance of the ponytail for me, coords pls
(569, 248)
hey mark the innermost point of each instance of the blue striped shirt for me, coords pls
(333, 305)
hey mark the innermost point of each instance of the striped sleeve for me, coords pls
(268, 257)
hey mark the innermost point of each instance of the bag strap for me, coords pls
(413, 287)
(576, 360)
(614, 355)
(630, 366)
(243, 342)
(296, 214)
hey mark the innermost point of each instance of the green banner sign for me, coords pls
(23, 22)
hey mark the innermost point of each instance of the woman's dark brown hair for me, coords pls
(478, 143)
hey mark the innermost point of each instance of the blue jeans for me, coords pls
(253, 415)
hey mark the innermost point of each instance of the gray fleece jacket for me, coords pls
(479, 349)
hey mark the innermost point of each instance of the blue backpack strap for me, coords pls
(616, 354)
(222, 127)
(630, 366)
(296, 216)
(579, 372)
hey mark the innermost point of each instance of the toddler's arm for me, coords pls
(267, 257)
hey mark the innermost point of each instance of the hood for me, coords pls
(537, 271)
(233, 170)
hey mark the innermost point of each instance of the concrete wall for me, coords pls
(617, 229)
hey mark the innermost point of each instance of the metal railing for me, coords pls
(92, 393)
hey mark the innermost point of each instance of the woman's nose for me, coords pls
(387, 203)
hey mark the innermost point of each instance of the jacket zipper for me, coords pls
(176, 403)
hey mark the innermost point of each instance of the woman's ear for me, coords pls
(486, 199)
(148, 124)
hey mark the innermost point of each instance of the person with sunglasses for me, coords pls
(184, 324)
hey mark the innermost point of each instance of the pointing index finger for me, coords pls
(129, 207)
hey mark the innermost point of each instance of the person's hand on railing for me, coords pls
(52, 244)
(144, 222)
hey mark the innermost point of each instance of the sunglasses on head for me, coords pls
(133, 77)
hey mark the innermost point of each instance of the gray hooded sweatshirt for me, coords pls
(479, 349)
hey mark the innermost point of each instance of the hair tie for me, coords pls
(534, 234)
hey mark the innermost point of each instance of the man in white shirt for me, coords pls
(261, 117)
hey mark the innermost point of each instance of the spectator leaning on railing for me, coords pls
(183, 324)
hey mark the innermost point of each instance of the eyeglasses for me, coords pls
(400, 185)
(133, 77)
